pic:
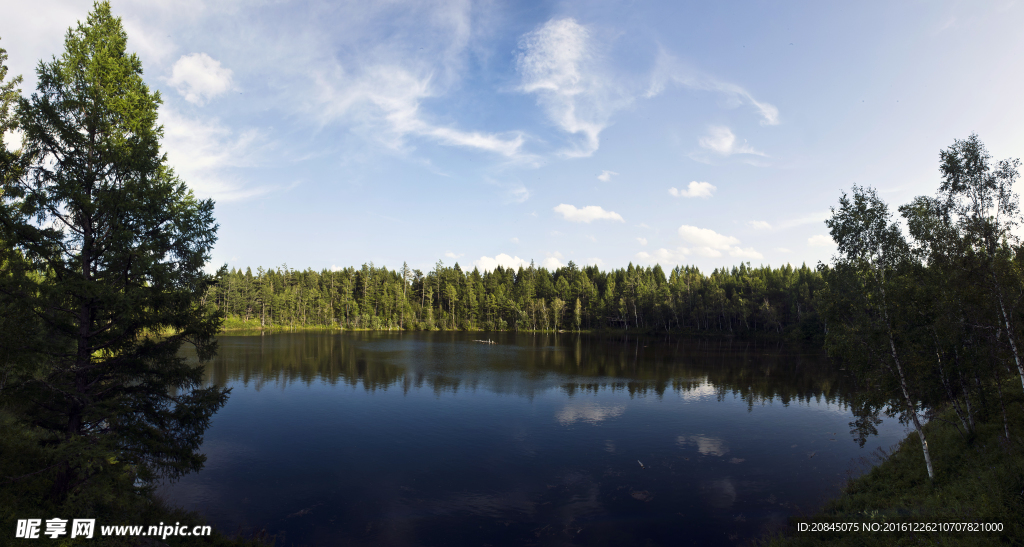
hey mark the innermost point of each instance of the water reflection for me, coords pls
(432, 439)
(758, 372)
(707, 446)
(588, 412)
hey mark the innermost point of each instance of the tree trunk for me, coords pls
(1009, 331)
(911, 406)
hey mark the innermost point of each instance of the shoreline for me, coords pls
(979, 483)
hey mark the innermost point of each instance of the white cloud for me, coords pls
(551, 261)
(665, 256)
(450, 254)
(514, 240)
(694, 190)
(783, 250)
(759, 225)
(642, 240)
(749, 252)
(820, 241)
(606, 176)
(557, 62)
(486, 263)
(199, 78)
(706, 238)
(669, 70)
(711, 244)
(587, 214)
(204, 152)
(708, 252)
(721, 141)
(595, 261)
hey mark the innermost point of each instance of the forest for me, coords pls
(103, 282)
(737, 300)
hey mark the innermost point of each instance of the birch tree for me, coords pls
(864, 292)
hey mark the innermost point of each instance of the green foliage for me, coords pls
(931, 328)
(106, 247)
(738, 301)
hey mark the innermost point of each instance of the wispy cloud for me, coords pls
(199, 78)
(813, 218)
(670, 70)
(606, 176)
(694, 190)
(389, 97)
(450, 254)
(642, 240)
(587, 214)
(721, 140)
(513, 192)
(206, 155)
(557, 62)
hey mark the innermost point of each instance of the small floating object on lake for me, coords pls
(811, 455)
(642, 466)
(488, 341)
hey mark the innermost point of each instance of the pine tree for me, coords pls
(116, 245)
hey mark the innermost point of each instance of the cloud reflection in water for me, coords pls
(591, 413)
(708, 446)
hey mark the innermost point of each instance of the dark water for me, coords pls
(433, 439)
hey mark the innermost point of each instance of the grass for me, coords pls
(977, 480)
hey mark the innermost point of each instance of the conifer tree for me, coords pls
(115, 246)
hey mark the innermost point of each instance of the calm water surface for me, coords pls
(434, 439)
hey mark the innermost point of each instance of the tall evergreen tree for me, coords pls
(120, 243)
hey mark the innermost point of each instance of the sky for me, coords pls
(333, 134)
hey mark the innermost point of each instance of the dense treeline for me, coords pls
(737, 300)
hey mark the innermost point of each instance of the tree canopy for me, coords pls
(105, 257)
(932, 321)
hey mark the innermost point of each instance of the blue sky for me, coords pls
(336, 133)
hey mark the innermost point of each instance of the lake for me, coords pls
(431, 438)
